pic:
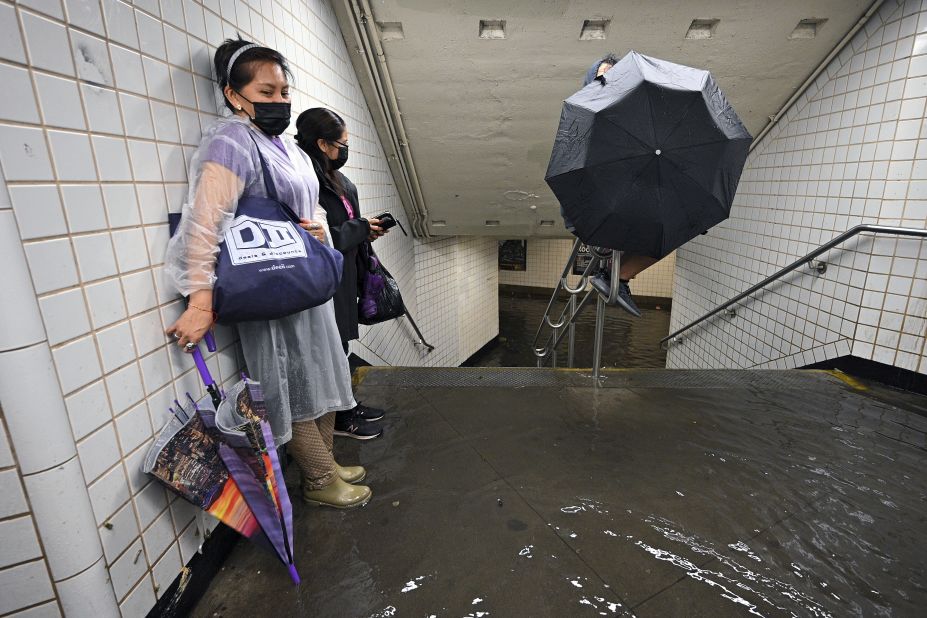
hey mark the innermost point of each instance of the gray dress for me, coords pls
(298, 359)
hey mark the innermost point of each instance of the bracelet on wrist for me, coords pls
(209, 311)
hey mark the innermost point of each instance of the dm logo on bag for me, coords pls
(252, 240)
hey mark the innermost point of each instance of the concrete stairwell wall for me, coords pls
(851, 150)
(106, 103)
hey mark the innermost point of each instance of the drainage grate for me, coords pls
(553, 378)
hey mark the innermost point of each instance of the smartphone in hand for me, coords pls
(386, 220)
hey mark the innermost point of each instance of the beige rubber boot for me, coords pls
(339, 495)
(351, 474)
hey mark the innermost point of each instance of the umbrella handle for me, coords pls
(202, 367)
(210, 340)
(211, 387)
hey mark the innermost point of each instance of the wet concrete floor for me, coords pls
(665, 494)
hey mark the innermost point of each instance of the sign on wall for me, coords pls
(513, 255)
(583, 257)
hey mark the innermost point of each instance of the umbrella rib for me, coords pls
(699, 145)
(615, 201)
(694, 181)
(653, 128)
(609, 162)
(679, 194)
(634, 137)
(681, 119)
(653, 121)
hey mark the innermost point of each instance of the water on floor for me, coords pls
(526, 493)
(629, 341)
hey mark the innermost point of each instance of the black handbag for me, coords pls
(380, 298)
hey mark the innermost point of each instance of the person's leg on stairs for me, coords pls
(629, 265)
(633, 265)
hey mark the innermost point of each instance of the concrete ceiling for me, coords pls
(481, 114)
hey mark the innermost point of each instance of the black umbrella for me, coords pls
(647, 156)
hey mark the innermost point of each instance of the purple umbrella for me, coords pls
(222, 457)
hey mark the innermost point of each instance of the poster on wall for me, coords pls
(583, 257)
(513, 255)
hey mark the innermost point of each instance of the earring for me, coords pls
(239, 108)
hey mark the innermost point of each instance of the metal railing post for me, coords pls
(599, 331)
(615, 276)
(571, 353)
(553, 349)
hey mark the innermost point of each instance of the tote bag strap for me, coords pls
(269, 185)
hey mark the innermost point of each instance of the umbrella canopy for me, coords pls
(647, 157)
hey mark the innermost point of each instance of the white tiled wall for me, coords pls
(455, 303)
(106, 103)
(852, 150)
(546, 258)
(24, 578)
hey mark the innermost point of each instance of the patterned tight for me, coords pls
(311, 447)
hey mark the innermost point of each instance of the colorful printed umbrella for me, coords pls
(219, 454)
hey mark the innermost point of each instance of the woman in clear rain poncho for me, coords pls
(298, 359)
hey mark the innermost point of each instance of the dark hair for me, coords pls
(243, 72)
(611, 59)
(315, 124)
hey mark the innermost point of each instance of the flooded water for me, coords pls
(750, 494)
(629, 341)
(803, 504)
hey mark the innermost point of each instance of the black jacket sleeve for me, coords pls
(353, 232)
(350, 234)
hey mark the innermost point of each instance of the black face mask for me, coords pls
(271, 118)
(338, 163)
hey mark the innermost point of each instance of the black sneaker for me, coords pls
(625, 301)
(357, 428)
(602, 284)
(366, 413)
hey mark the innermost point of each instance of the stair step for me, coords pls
(613, 378)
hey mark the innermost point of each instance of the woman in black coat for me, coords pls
(322, 134)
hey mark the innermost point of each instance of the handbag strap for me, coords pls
(269, 185)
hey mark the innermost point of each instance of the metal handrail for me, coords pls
(549, 349)
(421, 338)
(807, 259)
(562, 284)
(557, 337)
